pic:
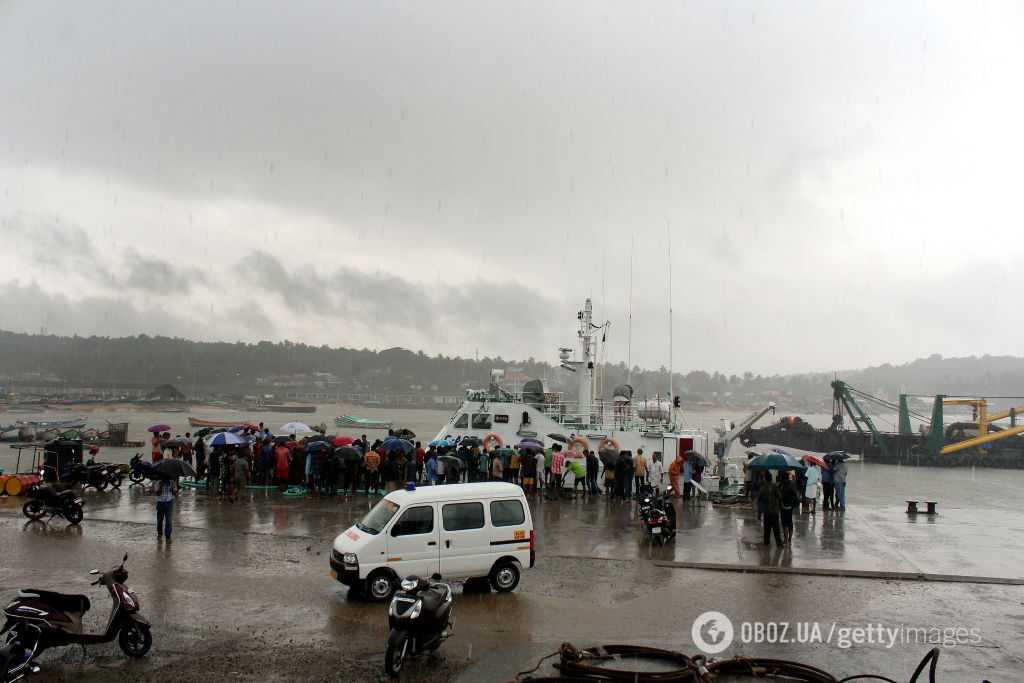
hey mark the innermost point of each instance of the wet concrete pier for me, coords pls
(244, 590)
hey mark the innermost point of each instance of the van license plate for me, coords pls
(334, 575)
(656, 530)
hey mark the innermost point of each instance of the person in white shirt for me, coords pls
(657, 473)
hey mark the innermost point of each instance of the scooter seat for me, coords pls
(433, 598)
(60, 601)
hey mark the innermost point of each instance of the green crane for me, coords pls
(843, 396)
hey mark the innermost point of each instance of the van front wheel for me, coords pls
(504, 576)
(380, 585)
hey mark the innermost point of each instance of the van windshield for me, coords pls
(378, 518)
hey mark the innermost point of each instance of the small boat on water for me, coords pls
(60, 425)
(279, 408)
(196, 422)
(361, 422)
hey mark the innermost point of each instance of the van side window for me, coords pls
(459, 516)
(481, 420)
(507, 513)
(417, 520)
(462, 422)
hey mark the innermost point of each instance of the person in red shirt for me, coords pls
(557, 469)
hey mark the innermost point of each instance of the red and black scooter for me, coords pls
(59, 616)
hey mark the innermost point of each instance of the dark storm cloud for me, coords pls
(153, 274)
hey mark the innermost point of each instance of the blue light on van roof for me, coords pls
(410, 486)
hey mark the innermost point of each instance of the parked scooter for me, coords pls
(46, 500)
(59, 616)
(17, 655)
(138, 465)
(657, 514)
(420, 616)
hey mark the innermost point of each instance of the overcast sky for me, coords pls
(841, 181)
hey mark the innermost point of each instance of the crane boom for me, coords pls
(726, 435)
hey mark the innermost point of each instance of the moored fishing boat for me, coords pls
(362, 423)
(196, 422)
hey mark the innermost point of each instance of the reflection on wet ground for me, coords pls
(250, 578)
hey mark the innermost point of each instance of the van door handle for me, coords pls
(447, 544)
(432, 543)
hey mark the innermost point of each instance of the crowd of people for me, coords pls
(794, 491)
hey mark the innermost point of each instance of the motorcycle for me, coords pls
(657, 514)
(110, 471)
(86, 476)
(59, 616)
(17, 655)
(419, 616)
(45, 500)
(138, 473)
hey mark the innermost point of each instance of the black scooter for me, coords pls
(657, 514)
(85, 476)
(110, 471)
(420, 616)
(17, 655)
(59, 616)
(45, 500)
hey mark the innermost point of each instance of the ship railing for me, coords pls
(605, 415)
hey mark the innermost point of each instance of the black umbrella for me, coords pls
(560, 438)
(470, 442)
(696, 458)
(608, 457)
(452, 461)
(169, 468)
(281, 440)
(319, 437)
(350, 454)
(836, 456)
(405, 434)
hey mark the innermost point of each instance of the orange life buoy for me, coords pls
(497, 438)
(584, 444)
(609, 442)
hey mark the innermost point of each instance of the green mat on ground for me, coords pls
(295, 491)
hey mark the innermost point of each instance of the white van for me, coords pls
(460, 531)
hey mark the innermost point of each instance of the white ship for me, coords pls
(501, 417)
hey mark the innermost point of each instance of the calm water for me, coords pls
(870, 484)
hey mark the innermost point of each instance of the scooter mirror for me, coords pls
(94, 571)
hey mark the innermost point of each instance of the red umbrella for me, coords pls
(816, 460)
(343, 441)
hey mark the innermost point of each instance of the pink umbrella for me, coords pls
(343, 441)
(159, 428)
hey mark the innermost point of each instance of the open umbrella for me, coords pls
(530, 443)
(503, 452)
(560, 438)
(471, 441)
(225, 439)
(837, 456)
(350, 454)
(696, 458)
(452, 461)
(776, 461)
(293, 427)
(159, 428)
(343, 441)
(317, 446)
(169, 468)
(442, 442)
(608, 457)
(320, 437)
(398, 445)
(406, 434)
(816, 460)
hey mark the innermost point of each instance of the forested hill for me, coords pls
(224, 367)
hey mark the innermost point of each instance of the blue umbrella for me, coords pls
(315, 446)
(776, 461)
(442, 442)
(782, 451)
(236, 429)
(398, 445)
(530, 443)
(390, 437)
(225, 439)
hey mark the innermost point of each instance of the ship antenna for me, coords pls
(629, 334)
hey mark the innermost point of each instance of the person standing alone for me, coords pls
(166, 492)
(771, 498)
